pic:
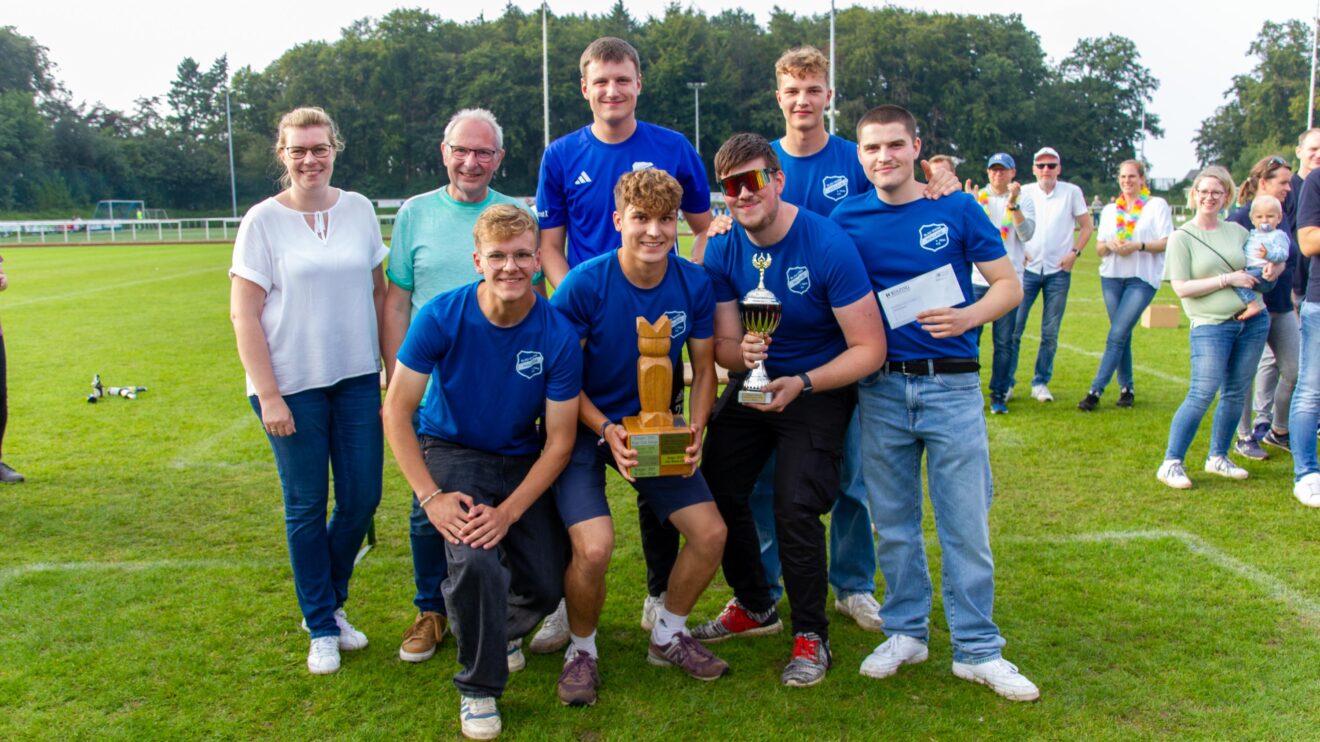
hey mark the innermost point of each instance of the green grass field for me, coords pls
(145, 591)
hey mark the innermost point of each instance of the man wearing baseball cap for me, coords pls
(1015, 218)
(1049, 258)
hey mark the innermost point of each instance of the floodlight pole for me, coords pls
(1315, 39)
(696, 98)
(229, 127)
(832, 94)
(545, 75)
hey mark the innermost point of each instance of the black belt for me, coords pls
(932, 366)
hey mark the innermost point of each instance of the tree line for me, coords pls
(977, 84)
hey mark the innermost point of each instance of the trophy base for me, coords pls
(660, 450)
(750, 397)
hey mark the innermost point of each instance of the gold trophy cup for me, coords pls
(761, 311)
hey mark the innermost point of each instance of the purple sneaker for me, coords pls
(689, 655)
(579, 681)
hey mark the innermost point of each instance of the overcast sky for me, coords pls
(118, 51)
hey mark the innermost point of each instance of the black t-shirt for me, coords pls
(1308, 215)
(1279, 298)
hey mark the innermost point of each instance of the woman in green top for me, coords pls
(1204, 262)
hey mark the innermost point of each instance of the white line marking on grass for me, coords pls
(1182, 380)
(196, 454)
(1271, 585)
(110, 287)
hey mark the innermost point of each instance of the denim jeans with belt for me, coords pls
(1224, 358)
(1306, 397)
(1125, 300)
(338, 428)
(904, 417)
(1054, 286)
(1005, 350)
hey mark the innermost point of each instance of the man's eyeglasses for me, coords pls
(752, 180)
(1046, 165)
(482, 155)
(522, 259)
(320, 151)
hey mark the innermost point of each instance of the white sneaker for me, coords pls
(1008, 394)
(1223, 467)
(517, 660)
(553, 634)
(651, 610)
(323, 657)
(1307, 490)
(1002, 676)
(350, 639)
(480, 717)
(862, 608)
(1041, 393)
(896, 651)
(1172, 473)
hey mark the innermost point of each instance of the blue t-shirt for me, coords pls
(488, 383)
(578, 173)
(821, 181)
(1278, 299)
(603, 306)
(1308, 215)
(899, 243)
(814, 270)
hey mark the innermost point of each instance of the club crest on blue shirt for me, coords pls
(529, 364)
(933, 237)
(677, 323)
(799, 279)
(835, 187)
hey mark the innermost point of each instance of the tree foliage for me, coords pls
(977, 84)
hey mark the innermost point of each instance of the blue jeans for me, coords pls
(852, 546)
(1125, 300)
(1005, 350)
(1055, 288)
(940, 416)
(338, 428)
(1224, 358)
(1305, 408)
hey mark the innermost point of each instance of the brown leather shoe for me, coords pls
(420, 640)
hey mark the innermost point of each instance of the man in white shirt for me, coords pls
(1050, 255)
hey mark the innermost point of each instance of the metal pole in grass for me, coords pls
(696, 98)
(229, 127)
(545, 75)
(1315, 40)
(832, 92)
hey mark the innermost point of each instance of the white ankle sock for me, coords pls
(667, 626)
(582, 644)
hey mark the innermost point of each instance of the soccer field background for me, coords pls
(145, 590)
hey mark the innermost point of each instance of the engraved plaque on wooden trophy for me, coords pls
(659, 437)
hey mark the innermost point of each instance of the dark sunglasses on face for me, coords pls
(1047, 165)
(752, 180)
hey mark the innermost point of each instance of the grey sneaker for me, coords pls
(737, 621)
(514, 655)
(690, 656)
(1250, 448)
(8, 475)
(651, 610)
(579, 680)
(1276, 439)
(811, 659)
(553, 634)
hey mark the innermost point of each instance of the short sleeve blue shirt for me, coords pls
(814, 270)
(489, 384)
(578, 172)
(603, 306)
(898, 243)
(821, 181)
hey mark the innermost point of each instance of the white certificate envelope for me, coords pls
(938, 288)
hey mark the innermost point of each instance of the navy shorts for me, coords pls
(580, 491)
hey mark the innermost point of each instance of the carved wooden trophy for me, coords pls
(659, 437)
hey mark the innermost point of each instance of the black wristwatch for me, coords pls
(806, 383)
(1015, 207)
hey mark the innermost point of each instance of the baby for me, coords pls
(1265, 244)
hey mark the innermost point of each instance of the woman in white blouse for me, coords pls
(306, 292)
(1130, 241)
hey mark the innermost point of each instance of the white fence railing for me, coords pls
(103, 231)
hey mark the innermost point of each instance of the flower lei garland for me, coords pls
(1006, 223)
(1127, 220)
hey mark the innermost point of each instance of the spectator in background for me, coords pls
(1050, 255)
(7, 473)
(1305, 409)
(1205, 263)
(1133, 233)
(306, 290)
(945, 163)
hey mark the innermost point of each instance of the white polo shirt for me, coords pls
(1056, 215)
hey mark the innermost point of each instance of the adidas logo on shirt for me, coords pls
(582, 179)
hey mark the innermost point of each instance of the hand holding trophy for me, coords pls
(761, 311)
